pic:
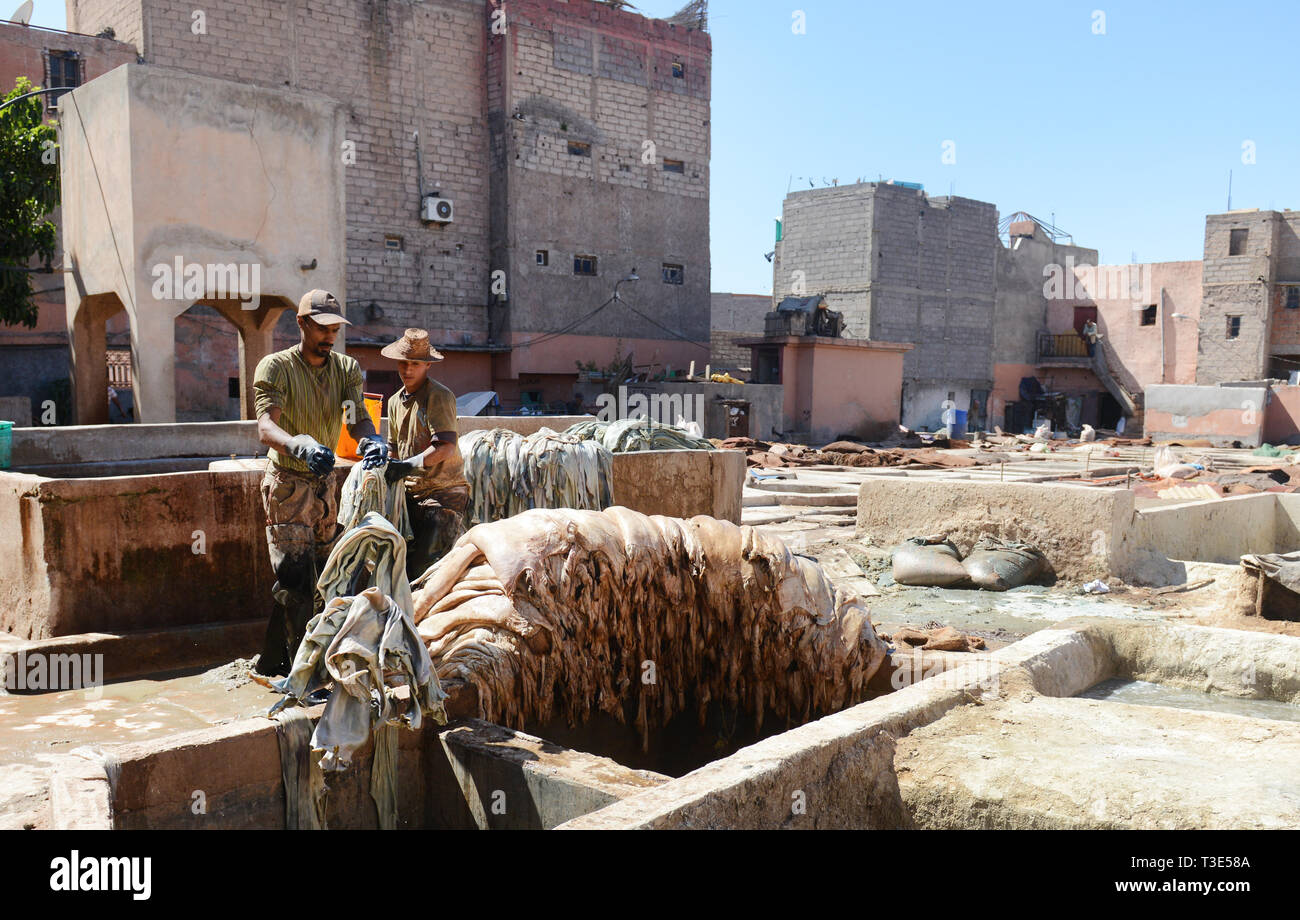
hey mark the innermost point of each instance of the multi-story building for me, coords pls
(1249, 320)
(507, 164)
(36, 359)
(901, 267)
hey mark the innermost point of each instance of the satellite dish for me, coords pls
(23, 15)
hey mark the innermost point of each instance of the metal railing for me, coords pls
(1067, 345)
(119, 369)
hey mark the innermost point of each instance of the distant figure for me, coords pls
(1089, 333)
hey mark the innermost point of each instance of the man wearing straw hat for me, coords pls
(422, 431)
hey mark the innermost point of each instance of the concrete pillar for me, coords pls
(89, 346)
(256, 328)
(153, 352)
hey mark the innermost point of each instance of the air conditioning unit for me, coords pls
(438, 210)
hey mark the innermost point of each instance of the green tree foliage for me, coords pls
(29, 191)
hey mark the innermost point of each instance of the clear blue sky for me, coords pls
(1126, 137)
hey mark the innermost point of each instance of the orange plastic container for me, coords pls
(347, 446)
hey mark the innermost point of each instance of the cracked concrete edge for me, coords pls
(81, 795)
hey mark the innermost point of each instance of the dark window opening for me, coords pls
(674, 274)
(64, 72)
(674, 166)
(1293, 298)
(543, 257)
(1149, 315)
(679, 69)
(579, 149)
(232, 387)
(584, 265)
(1234, 326)
(1237, 242)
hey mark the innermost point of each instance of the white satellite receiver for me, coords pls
(23, 15)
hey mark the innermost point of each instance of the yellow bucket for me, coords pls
(347, 446)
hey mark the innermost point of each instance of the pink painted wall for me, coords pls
(1282, 417)
(1006, 388)
(1135, 349)
(846, 386)
(560, 354)
(1226, 424)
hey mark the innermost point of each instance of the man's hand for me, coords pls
(319, 458)
(400, 469)
(374, 452)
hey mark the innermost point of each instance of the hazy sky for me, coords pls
(1123, 128)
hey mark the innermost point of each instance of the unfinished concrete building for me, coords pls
(1249, 321)
(901, 267)
(560, 146)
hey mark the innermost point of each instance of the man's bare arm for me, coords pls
(444, 443)
(269, 431)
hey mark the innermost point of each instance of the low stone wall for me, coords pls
(446, 779)
(130, 553)
(1212, 531)
(1222, 415)
(120, 554)
(681, 483)
(64, 446)
(1085, 532)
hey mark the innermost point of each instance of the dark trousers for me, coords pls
(438, 520)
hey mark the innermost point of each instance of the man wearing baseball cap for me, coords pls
(301, 397)
(422, 431)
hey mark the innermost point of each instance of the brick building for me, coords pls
(1250, 312)
(902, 267)
(36, 360)
(734, 317)
(566, 142)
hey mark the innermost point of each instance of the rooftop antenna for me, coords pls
(23, 15)
(1230, 190)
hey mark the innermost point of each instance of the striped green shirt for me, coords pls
(311, 400)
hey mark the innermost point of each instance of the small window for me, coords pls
(543, 257)
(579, 149)
(1237, 242)
(64, 72)
(232, 387)
(1149, 315)
(1293, 298)
(1234, 326)
(679, 70)
(393, 242)
(584, 265)
(674, 166)
(674, 274)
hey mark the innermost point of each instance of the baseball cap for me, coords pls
(323, 307)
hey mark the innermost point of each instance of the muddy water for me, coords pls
(1145, 693)
(138, 710)
(1010, 615)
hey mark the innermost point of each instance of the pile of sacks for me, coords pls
(993, 564)
(509, 473)
(569, 613)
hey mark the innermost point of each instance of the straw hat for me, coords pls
(412, 346)
(322, 307)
